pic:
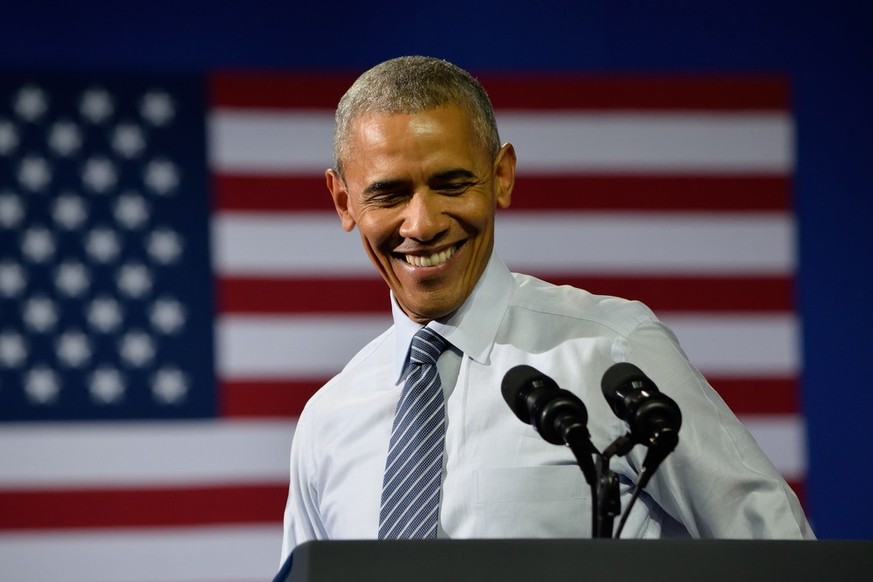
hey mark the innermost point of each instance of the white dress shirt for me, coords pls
(500, 478)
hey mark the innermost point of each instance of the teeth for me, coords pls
(432, 260)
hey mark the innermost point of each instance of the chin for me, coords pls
(427, 310)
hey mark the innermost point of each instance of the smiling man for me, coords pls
(422, 189)
(412, 439)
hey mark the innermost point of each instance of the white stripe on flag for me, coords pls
(144, 453)
(249, 141)
(261, 141)
(273, 346)
(740, 346)
(650, 142)
(198, 554)
(300, 244)
(286, 244)
(663, 243)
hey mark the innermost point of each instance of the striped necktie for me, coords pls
(413, 470)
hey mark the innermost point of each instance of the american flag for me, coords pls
(174, 285)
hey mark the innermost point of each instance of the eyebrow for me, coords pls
(385, 185)
(446, 176)
(455, 174)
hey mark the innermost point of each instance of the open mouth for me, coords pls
(434, 259)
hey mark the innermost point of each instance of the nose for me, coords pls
(424, 219)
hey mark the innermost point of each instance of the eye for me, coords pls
(453, 188)
(387, 197)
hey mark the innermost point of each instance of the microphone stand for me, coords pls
(577, 439)
(605, 502)
(605, 498)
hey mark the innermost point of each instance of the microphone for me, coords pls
(537, 400)
(558, 415)
(653, 417)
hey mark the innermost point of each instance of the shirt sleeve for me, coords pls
(301, 522)
(718, 482)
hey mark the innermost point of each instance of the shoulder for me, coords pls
(563, 303)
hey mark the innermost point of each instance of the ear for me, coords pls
(340, 196)
(504, 174)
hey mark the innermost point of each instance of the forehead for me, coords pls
(380, 134)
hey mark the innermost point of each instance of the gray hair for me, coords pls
(414, 84)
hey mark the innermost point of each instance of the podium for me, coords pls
(567, 560)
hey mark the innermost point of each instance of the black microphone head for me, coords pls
(517, 385)
(634, 398)
(537, 400)
(618, 380)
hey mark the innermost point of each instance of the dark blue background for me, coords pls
(826, 49)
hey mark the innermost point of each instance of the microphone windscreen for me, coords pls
(517, 382)
(619, 375)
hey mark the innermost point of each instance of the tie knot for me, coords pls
(427, 345)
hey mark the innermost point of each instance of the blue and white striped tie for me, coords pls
(413, 470)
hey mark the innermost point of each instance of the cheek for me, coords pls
(375, 228)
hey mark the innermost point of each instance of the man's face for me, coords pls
(423, 192)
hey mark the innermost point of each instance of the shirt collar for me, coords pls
(472, 328)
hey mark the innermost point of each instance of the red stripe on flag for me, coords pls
(291, 295)
(693, 294)
(286, 398)
(646, 192)
(750, 396)
(255, 295)
(267, 398)
(615, 93)
(532, 91)
(261, 193)
(141, 506)
(277, 91)
(247, 192)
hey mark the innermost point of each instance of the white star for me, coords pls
(73, 349)
(13, 349)
(96, 105)
(134, 280)
(99, 174)
(164, 245)
(128, 140)
(65, 138)
(13, 279)
(40, 313)
(131, 210)
(72, 278)
(31, 103)
(8, 137)
(102, 244)
(157, 107)
(169, 386)
(34, 173)
(106, 385)
(38, 244)
(11, 210)
(42, 385)
(104, 314)
(161, 176)
(137, 348)
(69, 211)
(167, 315)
